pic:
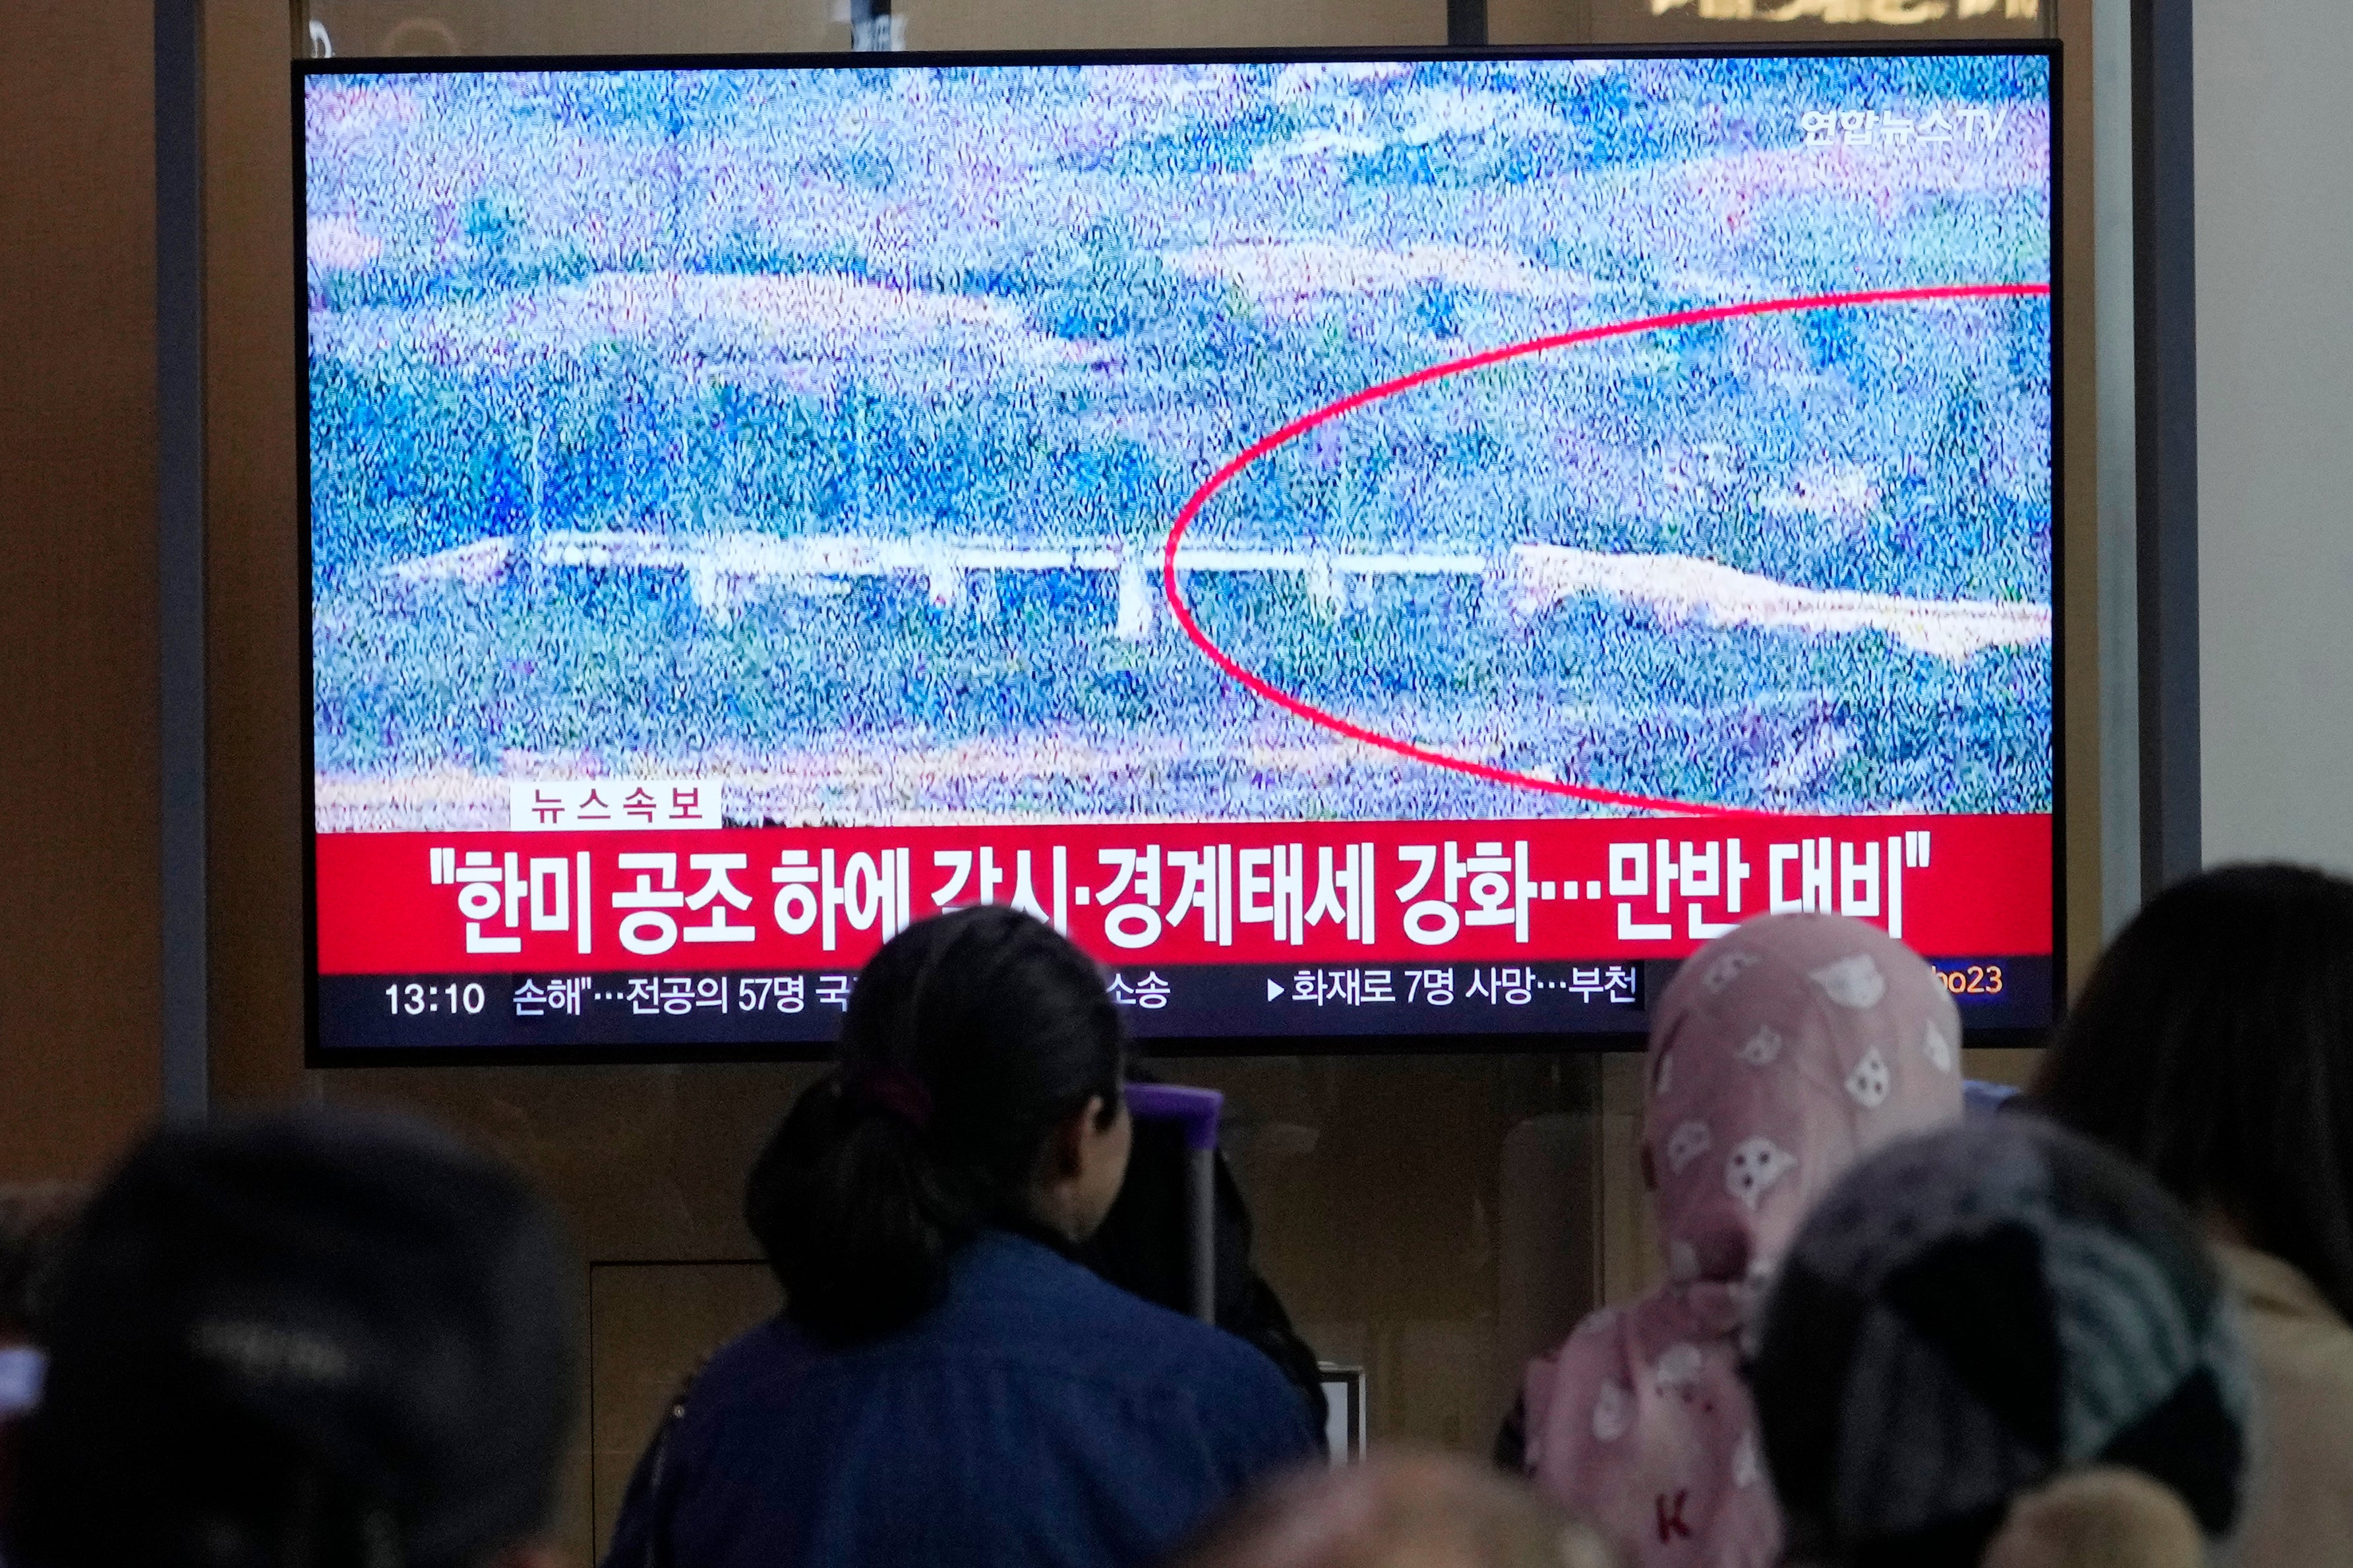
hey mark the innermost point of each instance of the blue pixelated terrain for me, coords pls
(821, 431)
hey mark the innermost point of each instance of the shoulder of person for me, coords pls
(762, 1363)
(1049, 1292)
(2290, 1325)
(2304, 1358)
(1126, 1340)
(1164, 1341)
(1238, 1390)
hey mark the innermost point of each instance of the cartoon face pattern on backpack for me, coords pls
(1779, 1055)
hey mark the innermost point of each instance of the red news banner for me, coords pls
(824, 897)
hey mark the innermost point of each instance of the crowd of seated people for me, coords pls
(2103, 1326)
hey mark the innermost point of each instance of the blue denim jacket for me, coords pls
(1038, 1415)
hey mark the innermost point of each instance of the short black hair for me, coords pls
(2213, 1044)
(317, 1338)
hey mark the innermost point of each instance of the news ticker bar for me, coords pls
(797, 1009)
(1265, 895)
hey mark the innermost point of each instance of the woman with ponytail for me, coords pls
(946, 1384)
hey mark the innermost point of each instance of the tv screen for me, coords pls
(1376, 548)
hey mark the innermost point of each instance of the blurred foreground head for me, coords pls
(1400, 1510)
(301, 1339)
(2000, 1344)
(2099, 1518)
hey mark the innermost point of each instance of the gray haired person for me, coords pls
(1999, 1344)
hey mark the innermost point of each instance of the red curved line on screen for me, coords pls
(1300, 427)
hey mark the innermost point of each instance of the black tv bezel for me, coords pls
(1251, 1046)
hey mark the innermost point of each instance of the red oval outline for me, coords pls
(1481, 361)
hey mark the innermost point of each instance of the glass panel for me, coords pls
(715, 27)
(1169, 24)
(1815, 21)
(423, 27)
(401, 28)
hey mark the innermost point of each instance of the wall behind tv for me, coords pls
(2274, 225)
(80, 995)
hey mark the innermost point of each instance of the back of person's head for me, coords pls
(1400, 1511)
(2213, 1046)
(1781, 1053)
(970, 1040)
(304, 1341)
(1971, 1322)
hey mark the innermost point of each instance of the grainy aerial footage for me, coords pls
(821, 433)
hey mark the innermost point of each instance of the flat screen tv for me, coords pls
(1383, 550)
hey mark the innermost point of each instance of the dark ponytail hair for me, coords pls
(969, 1039)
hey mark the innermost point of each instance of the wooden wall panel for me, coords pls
(79, 988)
(258, 708)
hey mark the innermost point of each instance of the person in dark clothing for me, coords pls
(313, 1339)
(1141, 1247)
(947, 1384)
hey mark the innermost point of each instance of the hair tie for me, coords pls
(893, 1091)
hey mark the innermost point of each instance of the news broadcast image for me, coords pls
(1373, 549)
